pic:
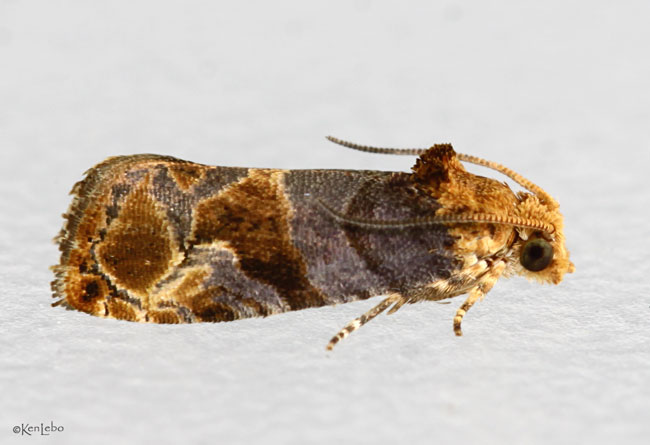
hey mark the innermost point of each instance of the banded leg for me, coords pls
(365, 318)
(473, 297)
(477, 293)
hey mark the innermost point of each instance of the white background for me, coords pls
(556, 90)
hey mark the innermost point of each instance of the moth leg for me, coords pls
(401, 302)
(474, 295)
(365, 318)
(477, 293)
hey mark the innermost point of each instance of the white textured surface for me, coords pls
(556, 90)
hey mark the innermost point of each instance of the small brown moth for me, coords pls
(152, 238)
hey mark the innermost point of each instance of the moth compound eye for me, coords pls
(536, 255)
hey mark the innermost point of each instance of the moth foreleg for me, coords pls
(365, 318)
(477, 293)
(473, 297)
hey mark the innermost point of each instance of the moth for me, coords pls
(152, 238)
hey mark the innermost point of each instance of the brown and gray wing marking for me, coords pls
(152, 238)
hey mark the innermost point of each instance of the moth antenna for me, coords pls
(381, 150)
(515, 221)
(525, 183)
(365, 318)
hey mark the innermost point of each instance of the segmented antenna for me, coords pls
(368, 149)
(525, 183)
(515, 221)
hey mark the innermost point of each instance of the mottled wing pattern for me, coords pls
(152, 238)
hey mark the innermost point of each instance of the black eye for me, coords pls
(536, 254)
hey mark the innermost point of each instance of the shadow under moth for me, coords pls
(152, 238)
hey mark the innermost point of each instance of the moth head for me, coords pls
(537, 254)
